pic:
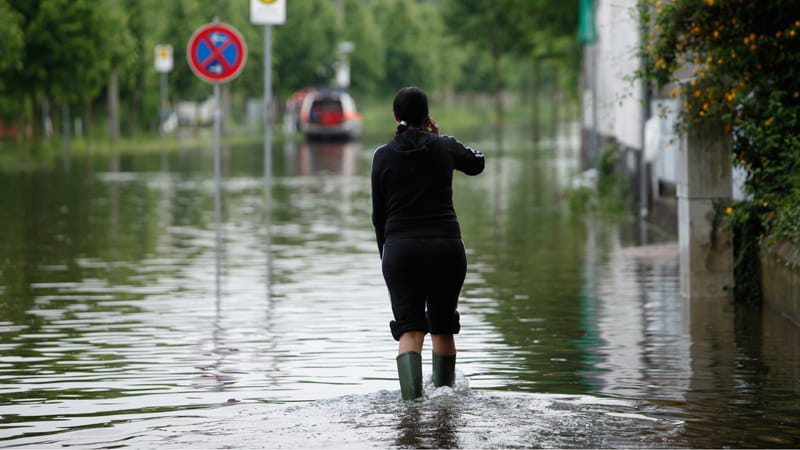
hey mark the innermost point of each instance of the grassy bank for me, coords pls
(458, 112)
(20, 156)
(454, 113)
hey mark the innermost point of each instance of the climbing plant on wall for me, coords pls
(737, 63)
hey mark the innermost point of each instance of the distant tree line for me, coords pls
(75, 55)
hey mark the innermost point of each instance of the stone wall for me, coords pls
(780, 278)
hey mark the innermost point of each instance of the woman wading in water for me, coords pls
(419, 238)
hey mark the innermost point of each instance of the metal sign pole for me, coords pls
(163, 121)
(268, 13)
(163, 101)
(268, 110)
(217, 180)
(268, 152)
(164, 64)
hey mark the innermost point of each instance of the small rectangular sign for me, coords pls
(267, 12)
(163, 58)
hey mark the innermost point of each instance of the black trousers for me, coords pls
(424, 277)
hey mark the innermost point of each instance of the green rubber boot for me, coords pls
(444, 370)
(409, 370)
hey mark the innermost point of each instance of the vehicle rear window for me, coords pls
(330, 105)
(327, 112)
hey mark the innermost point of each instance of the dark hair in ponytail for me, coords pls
(401, 127)
(410, 107)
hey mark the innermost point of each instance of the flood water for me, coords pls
(124, 324)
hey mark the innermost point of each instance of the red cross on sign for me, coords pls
(216, 53)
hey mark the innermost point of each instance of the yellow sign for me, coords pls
(268, 1)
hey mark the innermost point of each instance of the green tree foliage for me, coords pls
(517, 27)
(544, 20)
(504, 31)
(66, 51)
(400, 43)
(12, 50)
(410, 33)
(475, 70)
(305, 45)
(494, 27)
(366, 62)
(13, 42)
(139, 25)
(183, 18)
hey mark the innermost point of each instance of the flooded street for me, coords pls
(117, 329)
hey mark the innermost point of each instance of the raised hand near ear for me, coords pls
(432, 126)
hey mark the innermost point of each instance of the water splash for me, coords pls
(446, 418)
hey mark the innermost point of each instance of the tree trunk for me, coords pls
(134, 123)
(33, 122)
(113, 105)
(28, 123)
(554, 100)
(46, 124)
(21, 127)
(535, 98)
(87, 127)
(498, 100)
(65, 125)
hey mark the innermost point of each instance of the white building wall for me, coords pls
(610, 65)
(661, 141)
(619, 96)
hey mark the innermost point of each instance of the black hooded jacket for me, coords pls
(412, 185)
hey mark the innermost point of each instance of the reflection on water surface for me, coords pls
(114, 331)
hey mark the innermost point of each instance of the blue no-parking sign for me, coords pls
(216, 53)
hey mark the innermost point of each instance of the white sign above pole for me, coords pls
(163, 58)
(267, 12)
